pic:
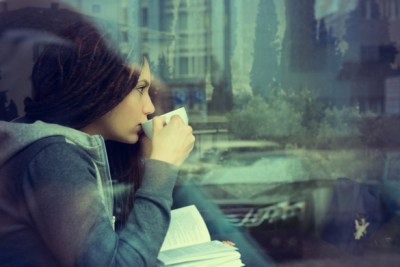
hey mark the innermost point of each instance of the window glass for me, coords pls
(295, 105)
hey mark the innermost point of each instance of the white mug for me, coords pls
(148, 125)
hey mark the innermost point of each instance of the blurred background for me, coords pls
(290, 100)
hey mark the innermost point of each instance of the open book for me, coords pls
(188, 243)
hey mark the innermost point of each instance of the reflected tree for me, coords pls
(222, 97)
(265, 70)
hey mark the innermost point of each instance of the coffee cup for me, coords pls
(148, 125)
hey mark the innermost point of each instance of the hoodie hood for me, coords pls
(16, 136)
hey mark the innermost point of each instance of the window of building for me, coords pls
(183, 63)
(183, 21)
(183, 41)
(374, 10)
(166, 24)
(145, 20)
(198, 68)
(183, 4)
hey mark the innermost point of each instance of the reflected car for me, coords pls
(259, 188)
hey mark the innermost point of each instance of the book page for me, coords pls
(187, 228)
(234, 257)
(234, 263)
(203, 251)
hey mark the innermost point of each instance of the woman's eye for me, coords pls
(141, 89)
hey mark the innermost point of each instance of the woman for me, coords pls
(56, 195)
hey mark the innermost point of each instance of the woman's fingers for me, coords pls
(158, 123)
(172, 143)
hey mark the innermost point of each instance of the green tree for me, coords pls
(340, 128)
(273, 118)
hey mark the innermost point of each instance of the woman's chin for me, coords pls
(132, 139)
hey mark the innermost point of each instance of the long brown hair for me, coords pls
(75, 81)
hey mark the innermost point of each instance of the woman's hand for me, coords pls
(173, 142)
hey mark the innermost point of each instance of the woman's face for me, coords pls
(123, 123)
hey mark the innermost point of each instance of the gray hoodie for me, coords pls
(56, 201)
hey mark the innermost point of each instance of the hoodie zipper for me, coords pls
(109, 180)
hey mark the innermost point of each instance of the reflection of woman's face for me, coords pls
(123, 123)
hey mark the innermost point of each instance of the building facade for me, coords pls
(177, 38)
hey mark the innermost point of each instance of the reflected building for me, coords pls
(119, 18)
(210, 52)
(184, 41)
(265, 74)
(373, 37)
(347, 54)
(309, 58)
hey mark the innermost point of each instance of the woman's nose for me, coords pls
(148, 107)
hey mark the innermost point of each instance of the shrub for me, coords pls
(339, 128)
(297, 119)
(274, 119)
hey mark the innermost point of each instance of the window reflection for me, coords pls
(285, 98)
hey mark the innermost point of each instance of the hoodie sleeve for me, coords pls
(66, 209)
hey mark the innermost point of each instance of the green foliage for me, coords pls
(246, 124)
(339, 128)
(330, 141)
(298, 119)
(275, 118)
